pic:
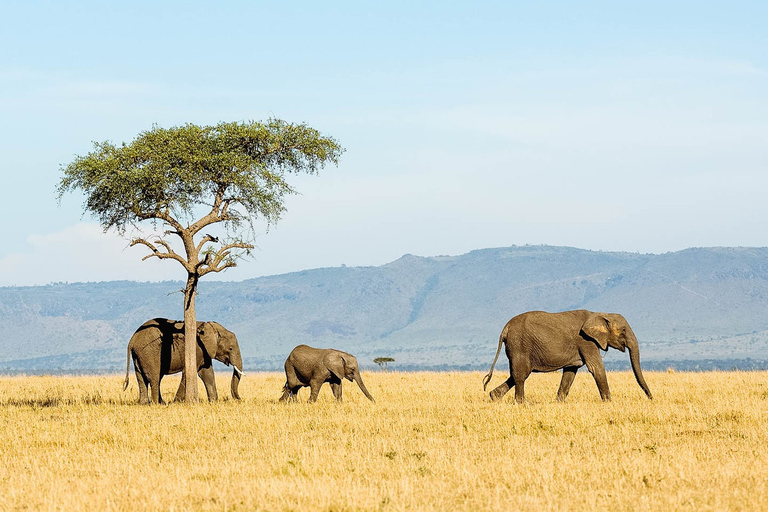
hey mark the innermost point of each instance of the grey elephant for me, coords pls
(308, 366)
(157, 348)
(537, 341)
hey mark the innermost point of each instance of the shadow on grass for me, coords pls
(59, 402)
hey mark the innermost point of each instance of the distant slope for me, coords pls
(704, 304)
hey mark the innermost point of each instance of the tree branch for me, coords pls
(156, 253)
(207, 238)
(215, 215)
(165, 216)
(220, 261)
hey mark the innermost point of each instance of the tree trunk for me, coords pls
(189, 374)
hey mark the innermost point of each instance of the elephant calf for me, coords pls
(307, 366)
(157, 348)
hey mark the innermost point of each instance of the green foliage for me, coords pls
(166, 173)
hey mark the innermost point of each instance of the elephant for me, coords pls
(308, 366)
(538, 341)
(157, 348)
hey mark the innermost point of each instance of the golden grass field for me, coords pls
(432, 441)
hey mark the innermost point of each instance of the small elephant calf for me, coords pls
(307, 366)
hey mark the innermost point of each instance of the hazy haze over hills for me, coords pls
(696, 305)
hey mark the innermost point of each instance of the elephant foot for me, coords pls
(499, 392)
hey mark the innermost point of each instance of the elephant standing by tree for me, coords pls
(537, 341)
(307, 366)
(157, 348)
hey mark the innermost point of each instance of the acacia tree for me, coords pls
(189, 177)
(383, 362)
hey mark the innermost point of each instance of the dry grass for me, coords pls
(432, 441)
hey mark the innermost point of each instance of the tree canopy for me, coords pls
(190, 177)
(166, 174)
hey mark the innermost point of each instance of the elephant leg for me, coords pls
(569, 373)
(520, 391)
(155, 385)
(286, 393)
(336, 388)
(520, 372)
(290, 393)
(209, 380)
(143, 383)
(292, 384)
(314, 389)
(181, 393)
(502, 389)
(153, 377)
(596, 368)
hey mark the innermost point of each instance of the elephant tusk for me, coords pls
(238, 370)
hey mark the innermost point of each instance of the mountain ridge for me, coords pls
(699, 304)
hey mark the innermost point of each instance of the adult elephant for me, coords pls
(308, 366)
(157, 348)
(544, 342)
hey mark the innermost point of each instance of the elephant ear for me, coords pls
(597, 328)
(209, 338)
(336, 364)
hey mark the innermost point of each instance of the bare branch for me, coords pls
(224, 208)
(141, 241)
(226, 265)
(207, 238)
(168, 248)
(214, 263)
(157, 253)
(165, 216)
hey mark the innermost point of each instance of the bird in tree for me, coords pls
(188, 178)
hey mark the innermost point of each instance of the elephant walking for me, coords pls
(537, 341)
(157, 348)
(307, 366)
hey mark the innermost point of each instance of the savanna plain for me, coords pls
(432, 441)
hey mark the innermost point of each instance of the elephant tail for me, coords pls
(127, 367)
(487, 378)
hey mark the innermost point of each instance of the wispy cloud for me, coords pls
(80, 253)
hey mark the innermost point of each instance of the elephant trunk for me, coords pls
(237, 364)
(362, 387)
(634, 358)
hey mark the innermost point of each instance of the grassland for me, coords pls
(432, 441)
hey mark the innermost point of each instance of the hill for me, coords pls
(702, 307)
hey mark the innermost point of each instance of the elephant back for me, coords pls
(155, 329)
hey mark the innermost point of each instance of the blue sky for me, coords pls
(638, 126)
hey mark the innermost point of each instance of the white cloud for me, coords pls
(82, 253)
